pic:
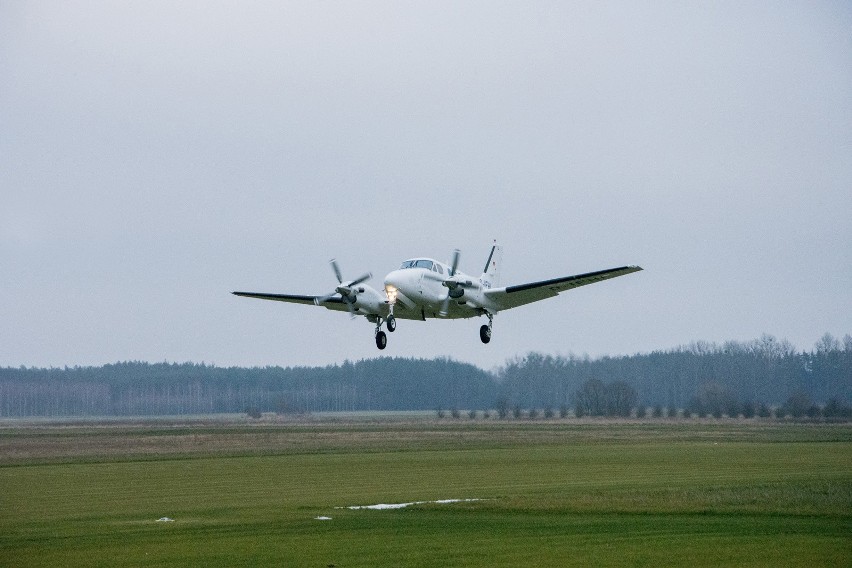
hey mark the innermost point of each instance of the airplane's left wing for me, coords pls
(331, 303)
(514, 296)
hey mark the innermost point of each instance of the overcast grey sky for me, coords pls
(155, 156)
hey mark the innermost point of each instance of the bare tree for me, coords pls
(502, 407)
(620, 399)
(591, 399)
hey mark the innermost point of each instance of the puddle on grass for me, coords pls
(385, 506)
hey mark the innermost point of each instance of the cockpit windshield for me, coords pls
(427, 264)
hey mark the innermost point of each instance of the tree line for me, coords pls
(699, 377)
(734, 378)
(140, 388)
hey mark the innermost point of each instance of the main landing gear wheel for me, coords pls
(391, 323)
(381, 340)
(485, 333)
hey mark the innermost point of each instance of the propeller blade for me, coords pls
(351, 308)
(336, 269)
(445, 307)
(455, 262)
(324, 299)
(362, 278)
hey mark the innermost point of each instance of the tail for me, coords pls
(491, 274)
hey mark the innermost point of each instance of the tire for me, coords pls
(485, 334)
(391, 323)
(381, 340)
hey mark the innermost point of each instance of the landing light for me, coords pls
(391, 291)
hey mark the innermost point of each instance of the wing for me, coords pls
(331, 303)
(514, 296)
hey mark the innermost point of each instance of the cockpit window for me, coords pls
(427, 264)
(440, 270)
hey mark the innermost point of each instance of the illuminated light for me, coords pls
(391, 292)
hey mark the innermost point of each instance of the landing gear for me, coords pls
(485, 330)
(381, 339)
(381, 336)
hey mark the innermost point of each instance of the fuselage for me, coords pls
(418, 289)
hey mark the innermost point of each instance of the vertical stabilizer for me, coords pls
(491, 274)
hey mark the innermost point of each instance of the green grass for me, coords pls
(552, 494)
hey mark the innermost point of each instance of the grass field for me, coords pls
(549, 493)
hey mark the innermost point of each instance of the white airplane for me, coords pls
(424, 288)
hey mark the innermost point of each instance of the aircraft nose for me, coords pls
(393, 282)
(392, 279)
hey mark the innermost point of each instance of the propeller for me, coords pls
(452, 283)
(345, 289)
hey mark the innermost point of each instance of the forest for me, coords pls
(733, 378)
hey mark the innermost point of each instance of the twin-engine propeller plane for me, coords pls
(424, 288)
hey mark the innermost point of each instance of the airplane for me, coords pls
(423, 288)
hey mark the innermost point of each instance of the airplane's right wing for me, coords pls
(333, 303)
(514, 296)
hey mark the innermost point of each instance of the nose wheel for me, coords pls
(381, 339)
(391, 323)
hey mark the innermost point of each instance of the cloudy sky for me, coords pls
(155, 156)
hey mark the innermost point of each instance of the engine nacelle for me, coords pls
(369, 303)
